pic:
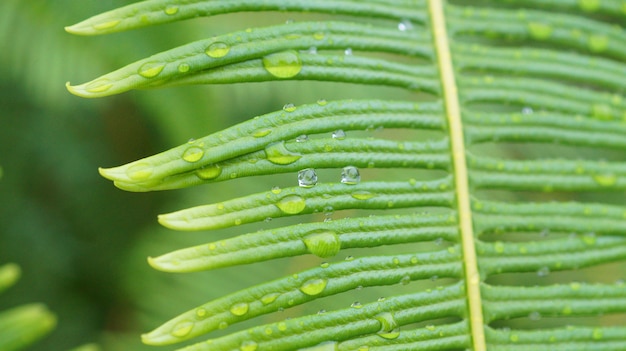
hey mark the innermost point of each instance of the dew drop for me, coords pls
(405, 280)
(261, 132)
(362, 195)
(534, 316)
(289, 107)
(311, 51)
(217, 49)
(99, 86)
(314, 286)
(106, 25)
(605, 180)
(498, 246)
(597, 334)
(193, 154)
(302, 138)
(285, 64)
(350, 175)
(539, 31)
(322, 243)
(201, 313)
(388, 326)
(248, 346)
(292, 204)
(527, 110)
(182, 329)
(269, 298)
(209, 172)
(276, 190)
(150, 69)
(322, 102)
(183, 68)
(171, 10)
(543, 271)
(405, 25)
(339, 134)
(222, 325)
(598, 43)
(307, 178)
(239, 309)
(139, 171)
(356, 304)
(324, 264)
(278, 154)
(348, 52)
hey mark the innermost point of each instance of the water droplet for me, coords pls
(514, 337)
(405, 25)
(193, 154)
(498, 246)
(606, 180)
(261, 132)
(414, 260)
(289, 107)
(356, 304)
(278, 154)
(217, 49)
(381, 299)
(239, 309)
(597, 334)
(362, 195)
(276, 190)
(313, 286)
(150, 69)
(99, 86)
(405, 280)
(322, 243)
(222, 325)
(311, 51)
(307, 178)
(139, 171)
(543, 271)
(602, 111)
(534, 316)
(348, 52)
(527, 110)
(349, 258)
(339, 134)
(322, 102)
(182, 329)
(589, 239)
(292, 204)
(388, 326)
(322, 311)
(209, 172)
(350, 175)
(589, 5)
(285, 64)
(269, 298)
(324, 264)
(302, 138)
(539, 31)
(183, 68)
(598, 43)
(318, 35)
(248, 346)
(106, 25)
(171, 10)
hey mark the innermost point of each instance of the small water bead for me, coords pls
(311, 51)
(302, 138)
(362, 195)
(348, 52)
(534, 316)
(597, 334)
(356, 304)
(217, 49)
(248, 346)
(527, 110)
(289, 107)
(193, 154)
(139, 171)
(314, 286)
(150, 69)
(349, 258)
(292, 204)
(322, 102)
(350, 175)
(222, 325)
(589, 239)
(598, 43)
(201, 313)
(539, 31)
(171, 10)
(209, 172)
(99, 86)
(543, 271)
(269, 298)
(324, 264)
(182, 329)
(339, 134)
(285, 64)
(363, 348)
(239, 309)
(323, 243)
(261, 132)
(183, 68)
(405, 25)
(405, 280)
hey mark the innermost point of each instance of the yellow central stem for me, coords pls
(453, 112)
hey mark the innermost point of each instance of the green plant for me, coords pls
(510, 153)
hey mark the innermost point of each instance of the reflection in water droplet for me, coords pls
(193, 154)
(285, 64)
(139, 171)
(209, 172)
(307, 178)
(239, 309)
(150, 69)
(217, 49)
(322, 243)
(292, 204)
(313, 287)
(182, 329)
(201, 313)
(350, 175)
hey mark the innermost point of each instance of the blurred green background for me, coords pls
(82, 244)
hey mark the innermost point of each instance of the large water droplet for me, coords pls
(139, 171)
(150, 69)
(209, 172)
(239, 309)
(322, 243)
(388, 326)
(285, 64)
(278, 154)
(339, 134)
(193, 154)
(307, 178)
(292, 204)
(217, 49)
(314, 286)
(350, 175)
(248, 346)
(182, 329)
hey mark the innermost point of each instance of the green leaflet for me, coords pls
(511, 75)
